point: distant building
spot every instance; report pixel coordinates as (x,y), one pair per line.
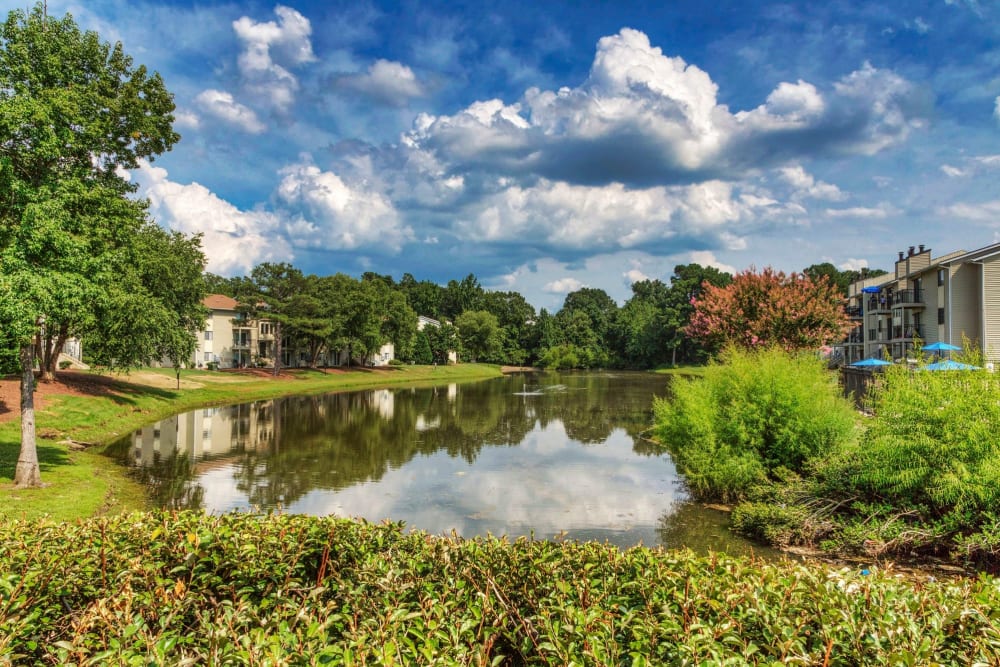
(926,300)
(232,340)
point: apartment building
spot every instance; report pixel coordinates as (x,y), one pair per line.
(231,340)
(927,299)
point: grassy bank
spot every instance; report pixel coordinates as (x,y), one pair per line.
(186,588)
(83,483)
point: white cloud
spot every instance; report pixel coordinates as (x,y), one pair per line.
(385,81)
(634,276)
(329,213)
(996,108)
(604,218)
(807,186)
(953,172)
(186,119)
(563,286)
(852,264)
(707,258)
(266,46)
(988,160)
(882,211)
(221,104)
(988,211)
(233,240)
(643,118)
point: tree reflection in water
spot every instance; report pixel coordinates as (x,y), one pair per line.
(283,452)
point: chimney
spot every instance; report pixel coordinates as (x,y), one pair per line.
(900,255)
(921,247)
(911,251)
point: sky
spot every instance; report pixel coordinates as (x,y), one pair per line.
(551,146)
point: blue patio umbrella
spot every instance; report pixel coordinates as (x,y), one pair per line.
(870,290)
(949,365)
(940,347)
(872,361)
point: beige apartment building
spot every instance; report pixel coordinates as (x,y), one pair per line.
(926,299)
(231,340)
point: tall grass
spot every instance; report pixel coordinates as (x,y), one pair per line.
(750,418)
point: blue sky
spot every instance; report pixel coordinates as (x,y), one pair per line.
(550,146)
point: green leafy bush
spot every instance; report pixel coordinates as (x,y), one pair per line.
(929,461)
(187,588)
(749,416)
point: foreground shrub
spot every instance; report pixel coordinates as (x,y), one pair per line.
(927,472)
(169,588)
(752,415)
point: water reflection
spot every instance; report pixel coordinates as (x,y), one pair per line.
(539,453)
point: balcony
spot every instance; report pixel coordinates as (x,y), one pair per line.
(854,312)
(879,303)
(908,332)
(908,297)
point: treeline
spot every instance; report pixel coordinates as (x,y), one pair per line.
(318,314)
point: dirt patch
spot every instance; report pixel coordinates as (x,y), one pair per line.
(66,383)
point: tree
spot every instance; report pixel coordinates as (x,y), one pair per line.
(74,112)
(422,349)
(599,307)
(272,293)
(687,284)
(424,297)
(479,332)
(770,308)
(459,297)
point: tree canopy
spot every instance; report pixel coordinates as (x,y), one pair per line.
(770,308)
(74,112)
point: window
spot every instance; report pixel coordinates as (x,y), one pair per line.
(940,315)
(208,356)
(265,328)
(208,335)
(940,277)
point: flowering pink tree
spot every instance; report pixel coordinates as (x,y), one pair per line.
(768,308)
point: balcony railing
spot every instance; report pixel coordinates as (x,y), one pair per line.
(908,297)
(853,311)
(907,332)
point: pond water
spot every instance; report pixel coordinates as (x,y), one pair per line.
(543,454)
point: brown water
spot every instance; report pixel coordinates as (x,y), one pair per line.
(548,454)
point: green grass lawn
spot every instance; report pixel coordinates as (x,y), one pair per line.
(681,370)
(83,483)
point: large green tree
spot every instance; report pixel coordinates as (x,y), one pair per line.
(74,112)
(274,293)
(480,334)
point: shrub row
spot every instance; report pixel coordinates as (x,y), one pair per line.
(187,588)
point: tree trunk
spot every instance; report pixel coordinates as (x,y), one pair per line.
(27,474)
(48,349)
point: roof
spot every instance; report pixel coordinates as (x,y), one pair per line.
(977,255)
(220,302)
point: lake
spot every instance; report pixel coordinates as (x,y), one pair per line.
(546,454)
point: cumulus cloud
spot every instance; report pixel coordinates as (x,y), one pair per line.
(386,81)
(221,105)
(233,240)
(807,186)
(269,49)
(561,216)
(329,213)
(996,108)
(563,286)
(707,258)
(643,118)
(852,264)
(953,172)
